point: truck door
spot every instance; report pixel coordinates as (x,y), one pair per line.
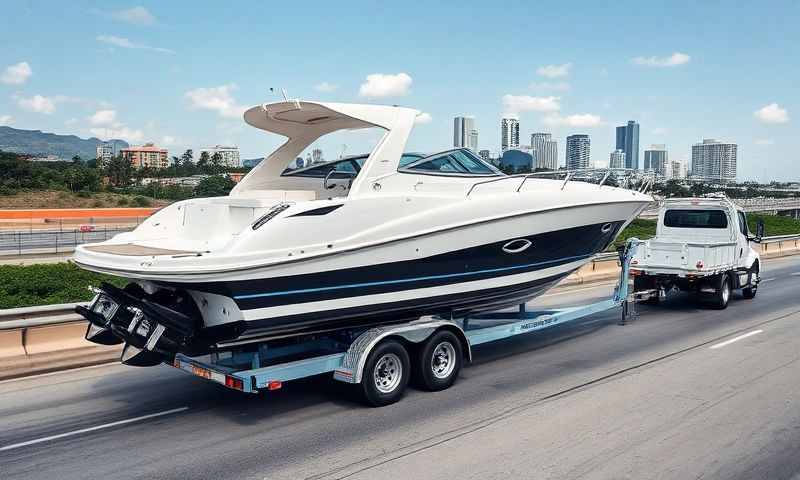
(742,242)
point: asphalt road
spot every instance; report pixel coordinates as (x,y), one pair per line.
(683,392)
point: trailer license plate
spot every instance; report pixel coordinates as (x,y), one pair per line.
(201,372)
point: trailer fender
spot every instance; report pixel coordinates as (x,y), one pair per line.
(352,368)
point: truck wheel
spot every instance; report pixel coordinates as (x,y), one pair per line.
(750,292)
(439,361)
(723,292)
(385,374)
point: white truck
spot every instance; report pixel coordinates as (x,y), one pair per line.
(702,245)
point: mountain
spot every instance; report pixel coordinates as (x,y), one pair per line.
(36,142)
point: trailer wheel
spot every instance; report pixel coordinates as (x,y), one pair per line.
(723,292)
(386,374)
(439,361)
(750,292)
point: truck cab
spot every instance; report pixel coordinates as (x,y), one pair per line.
(702,245)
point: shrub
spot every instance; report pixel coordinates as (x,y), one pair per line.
(122,201)
(141,201)
(45,284)
(84,194)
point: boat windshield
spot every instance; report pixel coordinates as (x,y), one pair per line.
(461,162)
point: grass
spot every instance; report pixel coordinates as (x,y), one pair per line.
(62,199)
(46,284)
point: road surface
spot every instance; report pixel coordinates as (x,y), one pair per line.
(38,241)
(683,392)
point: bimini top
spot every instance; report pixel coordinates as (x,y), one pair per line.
(304,122)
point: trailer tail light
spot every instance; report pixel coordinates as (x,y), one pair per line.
(274,385)
(233,382)
(699,264)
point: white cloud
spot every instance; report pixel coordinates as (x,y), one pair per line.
(16,74)
(673,60)
(169,141)
(6,119)
(125,43)
(660,131)
(135,16)
(580,120)
(423,117)
(119,131)
(325,87)
(772,113)
(527,103)
(553,86)
(761,141)
(218,99)
(38,104)
(554,71)
(385,85)
(71,121)
(103,117)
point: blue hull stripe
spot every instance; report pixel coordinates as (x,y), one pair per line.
(408,280)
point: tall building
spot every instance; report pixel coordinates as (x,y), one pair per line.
(656,159)
(675,170)
(229,156)
(545,151)
(509,130)
(105,152)
(316,156)
(578,152)
(464,133)
(148,155)
(628,142)
(714,161)
(617,159)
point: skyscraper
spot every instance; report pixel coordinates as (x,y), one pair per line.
(545,151)
(464,133)
(628,142)
(509,130)
(676,170)
(656,159)
(714,161)
(578,151)
(617,159)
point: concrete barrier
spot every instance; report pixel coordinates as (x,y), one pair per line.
(11,343)
(54,338)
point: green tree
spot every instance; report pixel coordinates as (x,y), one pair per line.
(214,186)
(119,171)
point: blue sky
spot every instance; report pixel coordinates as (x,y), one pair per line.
(179,73)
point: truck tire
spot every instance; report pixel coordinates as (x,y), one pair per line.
(750,291)
(722,294)
(386,374)
(439,361)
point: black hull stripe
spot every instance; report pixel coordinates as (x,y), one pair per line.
(375,314)
(531,266)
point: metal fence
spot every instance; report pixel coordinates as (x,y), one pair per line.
(46,241)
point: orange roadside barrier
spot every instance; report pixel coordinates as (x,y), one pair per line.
(75,213)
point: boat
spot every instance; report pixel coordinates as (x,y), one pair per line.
(410,236)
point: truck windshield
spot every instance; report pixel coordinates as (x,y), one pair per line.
(695,219)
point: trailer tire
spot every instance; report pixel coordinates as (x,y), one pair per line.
(386,374)
(750,291)
(439,361)
(722,294)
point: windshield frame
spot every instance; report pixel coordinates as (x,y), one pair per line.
(409,169)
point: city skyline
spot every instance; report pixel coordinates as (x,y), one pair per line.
(704,80)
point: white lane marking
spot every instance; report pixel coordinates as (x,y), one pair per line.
(92,429)
(767,279)
(795,274)
(735,339)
